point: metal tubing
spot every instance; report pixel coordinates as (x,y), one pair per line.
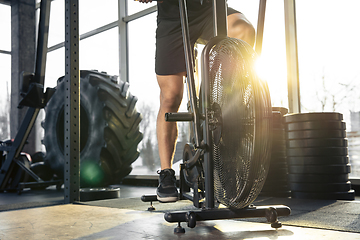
(189,60)
(72,103)
(292,57)
(179,117)
(28,171)
(220,18)
(149,198)
(140,14)
(5,52)
(260,27)
(226,213)
(208,155)
(18,144)
(43,34)
(220,32)
(123,41)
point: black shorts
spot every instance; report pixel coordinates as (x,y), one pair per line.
(169,58)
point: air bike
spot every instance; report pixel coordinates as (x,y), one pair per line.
(226,162)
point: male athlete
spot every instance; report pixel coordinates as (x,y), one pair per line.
(170,71)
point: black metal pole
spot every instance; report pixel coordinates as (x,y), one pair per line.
(226,213)
(207,134)
(72,104)
(260,27)
(42,42)
(18,144)
(189,60)
(220,20)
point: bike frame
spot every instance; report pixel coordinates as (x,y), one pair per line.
(220,32)
(195,114)
(208,210)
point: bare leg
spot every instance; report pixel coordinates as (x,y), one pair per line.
(171,92)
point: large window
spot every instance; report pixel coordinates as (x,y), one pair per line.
(328,42)
(5,69)
(99,52)
(271,65)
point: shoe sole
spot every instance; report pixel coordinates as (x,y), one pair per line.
(166,199)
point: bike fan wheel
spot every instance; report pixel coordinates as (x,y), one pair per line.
(240,124)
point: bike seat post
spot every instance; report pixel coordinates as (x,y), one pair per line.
(220,18)
(189,60)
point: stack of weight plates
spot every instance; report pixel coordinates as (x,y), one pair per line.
(276,184)
(317,156)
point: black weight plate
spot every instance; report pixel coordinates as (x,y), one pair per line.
(282,176)
(280,138)
(319,169)
(278,154)
(278,133)
(278,126)
(330,160)
(277,194)
(278,165)
(278,176)
(279,145)
(319,142)
(276,160)
(277,118)
(276,188)
(281,183)
(277,170)
(320,187)
(276,142)
(304,117)
(317,178)
(277,179)
(92,194)
(312,125)
(316,134)
(350,195)
(282,110)
(278,148)
(317,151)
(277,114)
(276,182)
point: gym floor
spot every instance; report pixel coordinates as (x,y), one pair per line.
(41,214)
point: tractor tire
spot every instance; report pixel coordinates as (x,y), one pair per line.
(109,130)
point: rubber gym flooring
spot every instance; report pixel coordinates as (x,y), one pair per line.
(42,215)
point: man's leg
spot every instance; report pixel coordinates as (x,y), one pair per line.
(241,28)
(171,92)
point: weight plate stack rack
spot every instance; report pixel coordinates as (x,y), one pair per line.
(317,154)
(276,184)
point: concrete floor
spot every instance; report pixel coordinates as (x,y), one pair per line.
(74,221)
(127,218)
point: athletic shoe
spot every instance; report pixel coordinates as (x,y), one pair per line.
(167,191)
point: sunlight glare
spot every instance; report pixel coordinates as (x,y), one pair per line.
(271,69)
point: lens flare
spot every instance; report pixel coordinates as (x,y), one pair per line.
(271,69)
(91,174)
